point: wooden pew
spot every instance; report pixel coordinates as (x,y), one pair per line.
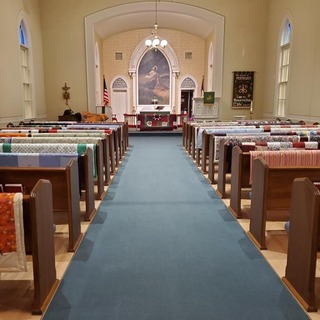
(247,143)
(300,275)
(108,161)
(38,227)
(47,142)
(116,133)
(271,195)
(66,195)
(85,165)
(240,179)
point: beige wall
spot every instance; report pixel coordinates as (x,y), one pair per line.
(11,11)
(64,47)
(304,90)
(250,44)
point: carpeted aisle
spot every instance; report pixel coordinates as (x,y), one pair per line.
(164,247)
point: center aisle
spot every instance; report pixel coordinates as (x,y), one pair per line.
(163,246)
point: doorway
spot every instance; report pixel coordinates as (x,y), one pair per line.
(186,102)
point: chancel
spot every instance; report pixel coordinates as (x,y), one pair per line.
(131,128)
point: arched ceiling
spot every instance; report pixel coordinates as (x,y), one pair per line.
(141,15)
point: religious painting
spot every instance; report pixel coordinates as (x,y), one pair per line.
(154,79)
(242,89)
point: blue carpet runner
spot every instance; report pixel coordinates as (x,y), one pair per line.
(163,246)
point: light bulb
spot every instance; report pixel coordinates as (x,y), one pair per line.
(163,43)
(148,43)
(155,42)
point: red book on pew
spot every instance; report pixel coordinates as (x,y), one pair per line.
(13,187)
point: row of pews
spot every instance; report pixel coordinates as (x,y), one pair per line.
(275,166)
(61,166)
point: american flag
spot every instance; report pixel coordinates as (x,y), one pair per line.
(106,99)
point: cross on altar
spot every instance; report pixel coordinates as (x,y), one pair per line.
(66,94)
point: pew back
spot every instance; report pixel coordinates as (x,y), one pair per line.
(271,195)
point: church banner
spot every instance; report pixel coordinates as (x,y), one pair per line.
(242,89)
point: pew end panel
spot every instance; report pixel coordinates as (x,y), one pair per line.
(203,157)
(89,185)
(65,192)
(222,168)
(112,153)
(258,206)
(212,164)
(271,195)
(240,179)
(37,208)
(106,159)
(100,170)
(300,275)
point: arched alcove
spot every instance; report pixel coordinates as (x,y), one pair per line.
(139,52)
(139,15)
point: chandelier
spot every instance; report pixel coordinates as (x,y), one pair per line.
(155,42)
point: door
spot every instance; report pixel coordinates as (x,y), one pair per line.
(186,102)
(119,104)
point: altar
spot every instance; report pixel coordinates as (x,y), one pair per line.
(156,119)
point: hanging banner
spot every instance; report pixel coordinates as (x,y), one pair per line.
(242,89)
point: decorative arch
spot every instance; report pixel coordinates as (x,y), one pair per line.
(125,11)
(188,83)
(119,83)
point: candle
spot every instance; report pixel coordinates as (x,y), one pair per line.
(251,106)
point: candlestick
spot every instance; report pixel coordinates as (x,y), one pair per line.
(251,106)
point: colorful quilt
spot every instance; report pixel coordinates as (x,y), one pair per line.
(287,158)
(56,160)
(225,131)
(50,148)
(12,247)
(65,133)
(239,140)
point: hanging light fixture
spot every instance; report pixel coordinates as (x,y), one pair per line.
(155,42)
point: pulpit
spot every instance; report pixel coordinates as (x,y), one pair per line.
(205,112)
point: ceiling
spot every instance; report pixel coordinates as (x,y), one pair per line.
(140,15)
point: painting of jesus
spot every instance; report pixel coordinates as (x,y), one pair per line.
(154,79)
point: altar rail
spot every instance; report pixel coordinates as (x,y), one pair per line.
(132,119)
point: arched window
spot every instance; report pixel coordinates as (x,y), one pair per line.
(210,68)
(283,71)
(24,40)
(97,76)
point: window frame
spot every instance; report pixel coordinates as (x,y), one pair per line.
(283,71)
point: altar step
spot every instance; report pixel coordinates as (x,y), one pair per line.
(135,132)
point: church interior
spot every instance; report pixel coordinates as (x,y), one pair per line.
(232,79)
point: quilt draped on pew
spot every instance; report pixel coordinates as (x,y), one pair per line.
(287,158)
(49,148)
(12,247)
(57,160)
